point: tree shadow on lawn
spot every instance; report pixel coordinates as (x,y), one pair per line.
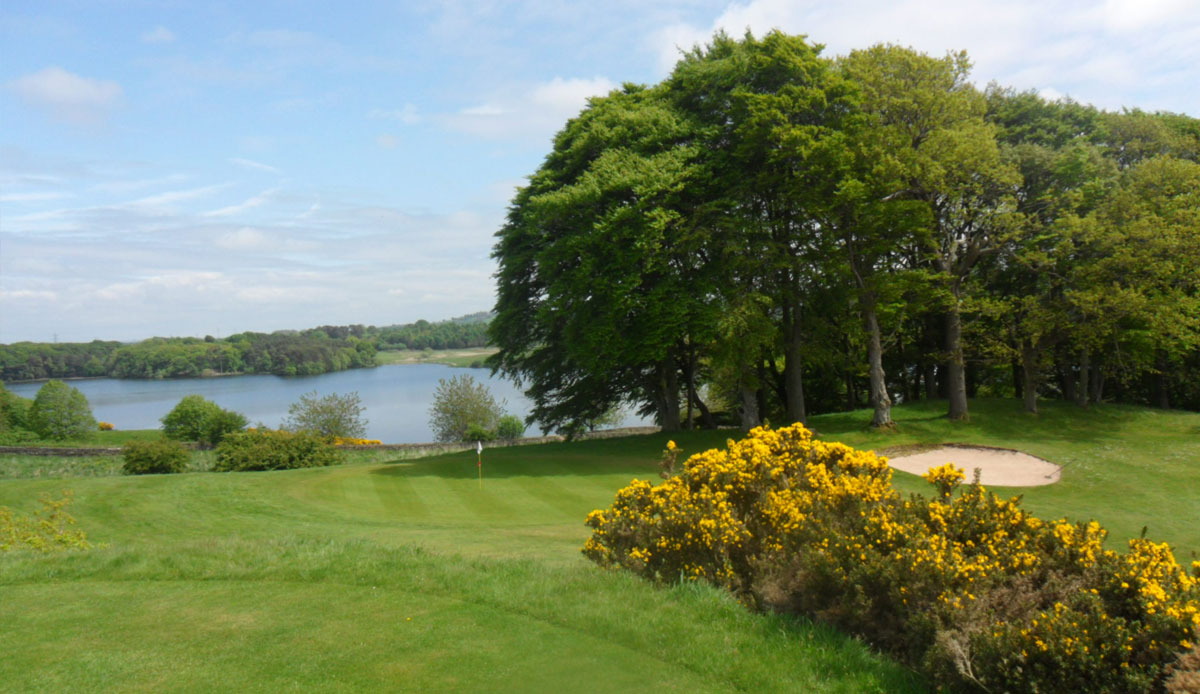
(515,462)
(992,421)
(629,456)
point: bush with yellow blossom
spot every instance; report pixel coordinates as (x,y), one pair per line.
(981,594)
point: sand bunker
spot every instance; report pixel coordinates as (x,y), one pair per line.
(998,467)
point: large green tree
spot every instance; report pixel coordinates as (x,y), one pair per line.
(601,290)
(948,157)
(60,412)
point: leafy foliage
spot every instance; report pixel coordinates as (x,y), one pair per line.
(970,586)
(331,416)
(60,412)
(195,418)
(767,216)
(460,403)
(48,530)
(510,428)
(267,449)
(14,410)
(161,456)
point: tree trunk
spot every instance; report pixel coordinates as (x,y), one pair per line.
(956,382)
(880,400)
(749,408)
(1018,375)
(1162,398)
(706,418)
(972,373)
(670,396)
(1067,380)
(1029,373)
(1097,385)
(690,375)
(793,371)
(931,390)
(1085,378)
(760,397)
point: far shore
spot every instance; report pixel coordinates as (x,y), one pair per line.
(464,358)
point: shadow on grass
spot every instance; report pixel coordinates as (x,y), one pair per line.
(991,420)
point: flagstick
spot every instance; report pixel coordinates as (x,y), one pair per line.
(479,461)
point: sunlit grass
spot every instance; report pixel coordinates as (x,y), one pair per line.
(416,576)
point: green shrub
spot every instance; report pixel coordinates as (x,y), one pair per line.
(978,592)
(17,437)
(332,416)
(201,420)
(14,410)
(268,449)
(460,403)
(60,412)
(510,428)
(48,530)
(478,433)
(161,456)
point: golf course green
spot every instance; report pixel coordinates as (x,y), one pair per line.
(417,576)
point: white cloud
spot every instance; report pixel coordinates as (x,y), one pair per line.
(1102,53)
(483,110)
(169,198)
(159,34)
(67,96)
(137,184)
(407,115)
(570,95)
(535,111)
(387,141)
(248,204)
(1136,15)
(32,197)
(246,238)
(27,295)
(251,164)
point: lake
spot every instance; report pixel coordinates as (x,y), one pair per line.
(397,398)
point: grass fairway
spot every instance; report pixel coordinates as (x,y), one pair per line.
(409,577)
(393,577)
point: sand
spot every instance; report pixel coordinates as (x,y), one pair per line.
(998,467)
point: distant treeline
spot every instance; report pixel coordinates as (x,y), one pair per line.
(285,353)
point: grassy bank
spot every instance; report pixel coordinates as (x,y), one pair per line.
(411,576)
(448,357)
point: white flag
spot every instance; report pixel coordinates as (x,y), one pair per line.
(479,447)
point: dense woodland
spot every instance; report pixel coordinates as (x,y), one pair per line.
(775,233)
(286,353)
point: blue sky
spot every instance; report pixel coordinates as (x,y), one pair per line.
(174,168)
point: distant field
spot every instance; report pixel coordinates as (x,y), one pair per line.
(448,357)
(408,576)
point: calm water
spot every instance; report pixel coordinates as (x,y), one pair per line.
(396,397)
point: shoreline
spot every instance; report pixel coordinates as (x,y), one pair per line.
(440,357)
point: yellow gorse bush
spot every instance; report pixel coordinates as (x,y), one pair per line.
(967,584)
(48,530)
(105,426)
(350,441)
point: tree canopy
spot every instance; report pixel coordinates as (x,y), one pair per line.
(870,224)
